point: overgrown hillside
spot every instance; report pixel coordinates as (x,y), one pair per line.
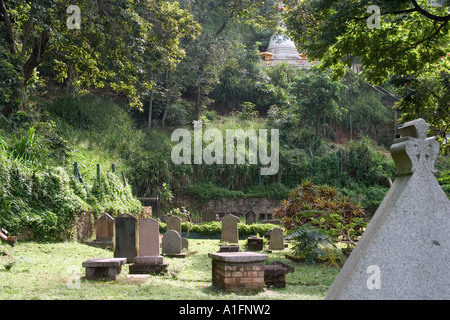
(38,148)
(38,186)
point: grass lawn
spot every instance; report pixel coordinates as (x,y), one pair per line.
(52,271)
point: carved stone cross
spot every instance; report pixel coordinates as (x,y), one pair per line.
(413,151)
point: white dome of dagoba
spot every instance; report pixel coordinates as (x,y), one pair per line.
(282,49)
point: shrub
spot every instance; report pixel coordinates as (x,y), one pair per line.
(215,227)
(314,245)
(324,207)
(248,111)
(365,165)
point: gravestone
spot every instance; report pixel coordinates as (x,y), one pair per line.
(171,242)
(404,251)
(104,232)
(276,239)
(174,223)
(250,217)
(125,246)
(149,259)
(208,215)
(275,276)
(255,243)
(104,228)
(288,268)
(184,244)
(148,237)
(230,229)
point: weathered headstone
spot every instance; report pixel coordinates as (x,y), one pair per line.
(275,276)
(174,223)
(148,237)
(284,265)
(255,243)
(229,248)
(250,217)
(149,259)
(184,244)
(171,242)
(276,239)
(104,230)
(125,246)
(404,251)
(230,229)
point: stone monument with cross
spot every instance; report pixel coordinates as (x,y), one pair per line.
(404,252)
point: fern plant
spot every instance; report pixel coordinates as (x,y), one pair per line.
(314,245)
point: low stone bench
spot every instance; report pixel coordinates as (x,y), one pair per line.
(238,271)
(103,268)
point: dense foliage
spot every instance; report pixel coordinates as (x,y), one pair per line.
(416,33)
(324,207)
(214,228)
(314,245)
(47,198)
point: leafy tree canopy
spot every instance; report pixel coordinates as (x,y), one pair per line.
(404,41)
(117,43)
(412,35)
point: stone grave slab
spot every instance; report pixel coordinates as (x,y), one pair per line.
(255,243)
(174,223)
(149,260)
(230,229)
(125,229)
(276,239)
(104,232)
(275,276)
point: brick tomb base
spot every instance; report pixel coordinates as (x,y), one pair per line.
(238,271)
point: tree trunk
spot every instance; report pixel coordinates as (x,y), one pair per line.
(150,102)
(198,102)
(150,109)
(168,98)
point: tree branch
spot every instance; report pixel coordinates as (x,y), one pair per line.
(222,27)
(429,15)
(26,34)
(435,33)
(416,8)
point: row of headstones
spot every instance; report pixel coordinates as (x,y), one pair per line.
(230,233)
(172,243)
(126,226)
